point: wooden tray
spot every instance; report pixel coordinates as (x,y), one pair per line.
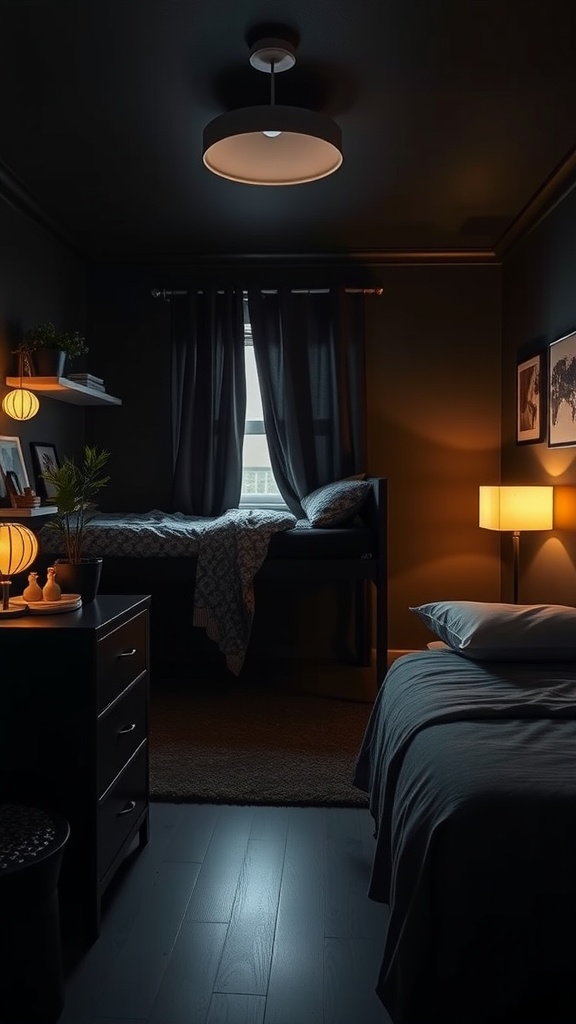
(67,603)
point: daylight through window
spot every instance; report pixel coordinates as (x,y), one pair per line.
(259,487)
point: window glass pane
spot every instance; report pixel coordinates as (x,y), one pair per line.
(258,483)
(253,399)
(257,476)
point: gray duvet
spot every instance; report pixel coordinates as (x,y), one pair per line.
(471,773)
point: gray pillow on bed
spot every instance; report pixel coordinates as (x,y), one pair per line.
(337,503)
(503,632)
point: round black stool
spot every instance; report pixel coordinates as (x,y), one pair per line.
(31,976)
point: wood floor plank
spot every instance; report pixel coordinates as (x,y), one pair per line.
(193,833)
(162,958)
(343,822)
(270,823)
(295,990)
(349,912)
(367,829)
(350,975)
(88,1018)
(123,903)
(133,983)
(236,1009)
(247,954)
(185,993)
(163,816)
(215,890)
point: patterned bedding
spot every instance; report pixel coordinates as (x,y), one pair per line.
(229,549)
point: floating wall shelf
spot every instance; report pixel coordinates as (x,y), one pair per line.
(64,390)
(25,513)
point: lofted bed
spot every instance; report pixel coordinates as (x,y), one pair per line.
(206,573)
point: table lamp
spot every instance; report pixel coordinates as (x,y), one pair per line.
(18,549)
(515,509)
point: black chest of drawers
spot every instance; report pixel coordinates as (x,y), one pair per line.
(74,733)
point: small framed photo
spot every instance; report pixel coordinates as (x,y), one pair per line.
(13,475)
(530,400)
(44,457)
(562,392)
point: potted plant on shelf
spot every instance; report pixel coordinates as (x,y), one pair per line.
(75,486)
(44,350)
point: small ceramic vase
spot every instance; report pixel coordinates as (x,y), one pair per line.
(51,591)
(32,592)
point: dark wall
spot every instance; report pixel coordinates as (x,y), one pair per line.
(131,332)
(40,279)
(433,367)
(539,306)
(433,362)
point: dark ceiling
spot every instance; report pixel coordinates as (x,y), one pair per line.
(454,114)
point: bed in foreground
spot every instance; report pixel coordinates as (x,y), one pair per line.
(470,766)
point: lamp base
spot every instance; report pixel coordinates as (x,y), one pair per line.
(12,612)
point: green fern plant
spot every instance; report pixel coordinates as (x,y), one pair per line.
(76,485)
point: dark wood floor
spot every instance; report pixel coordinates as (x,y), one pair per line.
(238,915)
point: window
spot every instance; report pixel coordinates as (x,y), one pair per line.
(259,488)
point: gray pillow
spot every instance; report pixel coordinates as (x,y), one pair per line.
(337,503)
(488,631)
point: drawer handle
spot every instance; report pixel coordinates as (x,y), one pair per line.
(128,654)
(128,809)
(127,728)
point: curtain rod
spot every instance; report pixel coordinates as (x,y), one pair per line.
(166,294)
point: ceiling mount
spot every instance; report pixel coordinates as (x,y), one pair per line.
(270,144)
(272,55)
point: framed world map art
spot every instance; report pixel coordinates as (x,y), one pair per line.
(562,392)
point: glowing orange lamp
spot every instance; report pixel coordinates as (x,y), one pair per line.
(515,509)
(18,549)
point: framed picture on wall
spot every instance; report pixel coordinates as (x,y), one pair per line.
(13,475)
(44,457)
(562,392)
(530,416)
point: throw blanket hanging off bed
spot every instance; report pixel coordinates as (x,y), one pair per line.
(230,550)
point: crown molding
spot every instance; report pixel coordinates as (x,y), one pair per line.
(556,187)
(362,258)
(415,257)
(21,198)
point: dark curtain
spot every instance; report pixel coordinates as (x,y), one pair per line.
(309,349)
(208,401)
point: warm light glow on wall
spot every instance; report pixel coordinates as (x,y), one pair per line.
(516,508)
(20,404)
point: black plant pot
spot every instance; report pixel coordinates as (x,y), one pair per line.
(48,362)
(83,578)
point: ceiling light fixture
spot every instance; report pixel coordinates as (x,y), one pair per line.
(269,144)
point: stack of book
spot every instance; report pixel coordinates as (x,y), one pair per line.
(26,500)
(88,380)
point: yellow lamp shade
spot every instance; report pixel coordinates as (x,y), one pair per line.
(516,508)
(18,548)
(20,404)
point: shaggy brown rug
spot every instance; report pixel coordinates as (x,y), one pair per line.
(255,746)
